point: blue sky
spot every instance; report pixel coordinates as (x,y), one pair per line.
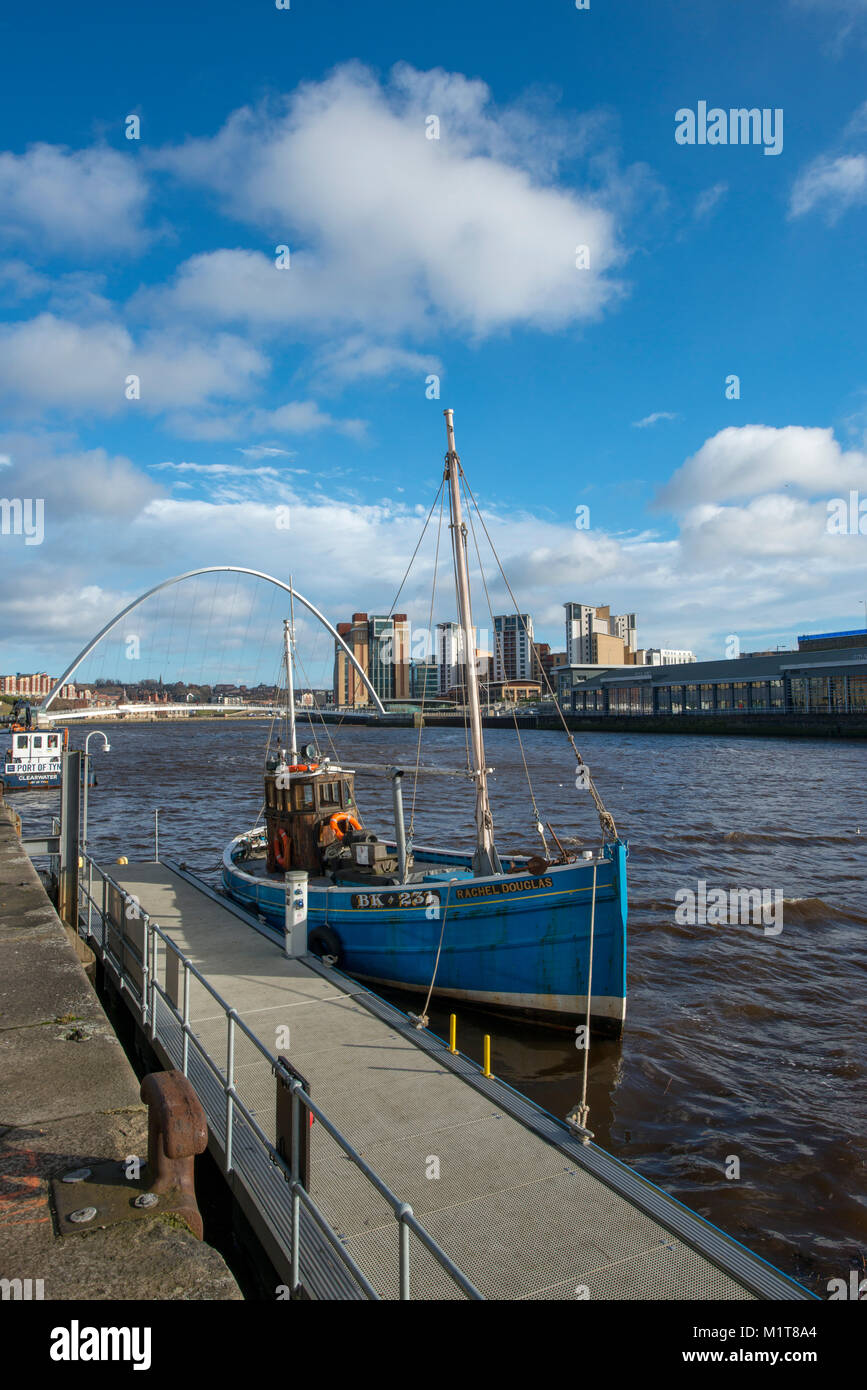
(304,387)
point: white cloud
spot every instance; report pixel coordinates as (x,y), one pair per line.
(77,484)
(262,451)
(303,417)
(751,460)
(708,200)
(73,201)
(389,230)
(835,181)
(19,281)
(654,418)
(745,549)
(835,185)
(49,362)
(357,357)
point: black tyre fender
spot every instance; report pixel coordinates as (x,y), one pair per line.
(324,941)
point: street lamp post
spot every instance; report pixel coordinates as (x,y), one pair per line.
(106,748)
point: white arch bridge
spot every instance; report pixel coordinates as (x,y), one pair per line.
(224,709)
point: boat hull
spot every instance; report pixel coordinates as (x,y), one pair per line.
(16,781)
(516,945)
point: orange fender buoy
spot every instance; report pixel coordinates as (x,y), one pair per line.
(340,820)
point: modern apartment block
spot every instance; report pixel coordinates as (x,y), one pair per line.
(450,656)
(424,680)
(596,637)
(513,647)
(380,645)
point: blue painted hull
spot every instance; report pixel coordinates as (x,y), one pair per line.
(516,945)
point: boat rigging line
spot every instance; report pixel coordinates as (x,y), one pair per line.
(606,820)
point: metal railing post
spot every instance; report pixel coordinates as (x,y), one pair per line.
(230,1086)
(296,1200)
(155,980)
(186,1020)
(145,973)
(404,1210)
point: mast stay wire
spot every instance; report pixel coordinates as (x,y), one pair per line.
(441,496)
(538,825)
(606,820)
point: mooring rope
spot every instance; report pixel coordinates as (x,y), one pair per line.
(583,1109)
(421,1020)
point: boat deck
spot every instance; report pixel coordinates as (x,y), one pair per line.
(423,872)
(522,1207)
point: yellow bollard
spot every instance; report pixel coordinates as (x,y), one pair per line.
(122,860)
(453,1033)
(487,1055)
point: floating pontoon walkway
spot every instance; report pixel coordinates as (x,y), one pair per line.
(520,1206)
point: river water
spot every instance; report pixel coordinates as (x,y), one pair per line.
(740,1044)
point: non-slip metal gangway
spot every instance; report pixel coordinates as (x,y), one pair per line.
(425,1178)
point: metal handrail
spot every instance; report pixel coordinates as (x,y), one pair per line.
(147,960)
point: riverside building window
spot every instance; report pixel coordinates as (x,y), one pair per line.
(837,693)
(818,693)
(857,694)
(741,695)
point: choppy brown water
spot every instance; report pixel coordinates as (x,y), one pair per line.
(737,1043)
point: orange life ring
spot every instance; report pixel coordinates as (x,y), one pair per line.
(302,767)
(281,848)
(343,818)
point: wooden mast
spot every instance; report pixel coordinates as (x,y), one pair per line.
(486,861)
(288,635)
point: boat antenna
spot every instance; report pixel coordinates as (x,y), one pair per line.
(288,639)
(486,861)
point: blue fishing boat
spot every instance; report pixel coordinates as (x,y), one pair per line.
(542,936)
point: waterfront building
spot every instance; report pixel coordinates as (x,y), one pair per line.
(813,680)
(36,685)
(511,692)
(596,636)
(513,647)
(663,656)
(424,680)
(450,656)
(831,641)
(380,645)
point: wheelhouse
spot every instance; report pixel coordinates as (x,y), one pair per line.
(308,807)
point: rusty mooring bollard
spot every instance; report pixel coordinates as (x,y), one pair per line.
(177,1131)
